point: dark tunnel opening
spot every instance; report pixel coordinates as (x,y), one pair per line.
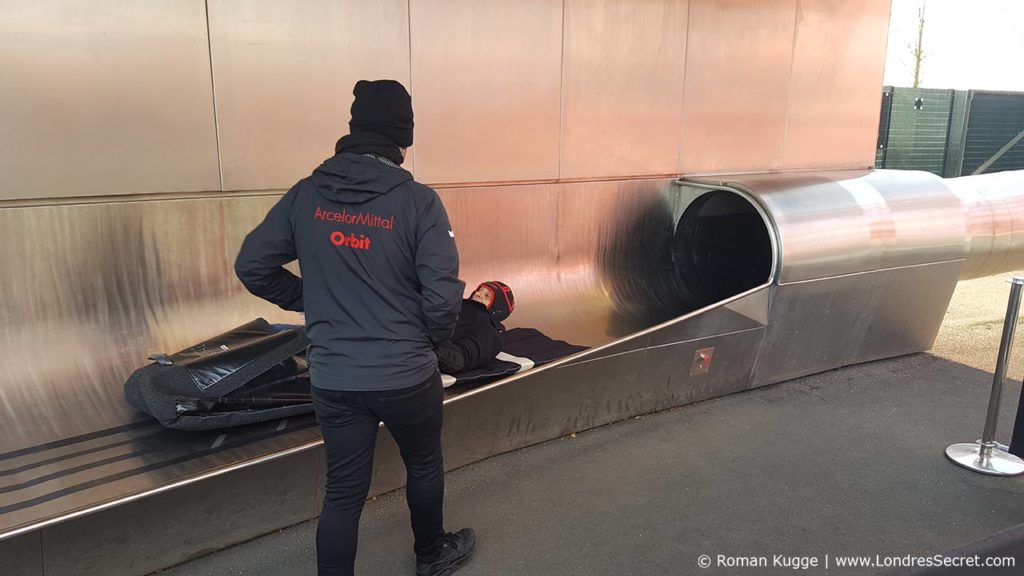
(721,247)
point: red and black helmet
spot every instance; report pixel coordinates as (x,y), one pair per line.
(502,301)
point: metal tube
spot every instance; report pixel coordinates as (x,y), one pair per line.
(986,455)
(1005,345)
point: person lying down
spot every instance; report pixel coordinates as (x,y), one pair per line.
(476,340)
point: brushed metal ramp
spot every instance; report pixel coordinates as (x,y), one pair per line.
(55,481)
(600,274)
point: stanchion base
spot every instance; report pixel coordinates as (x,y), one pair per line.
(998,463)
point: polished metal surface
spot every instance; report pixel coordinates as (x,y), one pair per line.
(870,259)
(123,280)
(906,308)
(284,74)
(22,555)
(127,279)
(736,93)
(594,263)
(835,90)
(986,460)
(622,87)
(843,222)
(109,464)
(867,264)
(162,530)
(99,287)
(836,223)
(105,97)
(820,324)
(485,80)
(994,210)
(575,395)
(93,472)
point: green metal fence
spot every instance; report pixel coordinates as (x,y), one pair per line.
(950,132)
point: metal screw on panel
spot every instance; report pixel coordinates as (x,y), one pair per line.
(702,361)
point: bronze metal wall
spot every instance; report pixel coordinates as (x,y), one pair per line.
(109,98)
(738,63)
(622,87)
(102,98)
(834,83)
(485,80)
(283,73)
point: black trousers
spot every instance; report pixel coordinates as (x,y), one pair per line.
(349,421)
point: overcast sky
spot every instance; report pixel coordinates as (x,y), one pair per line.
(967,43)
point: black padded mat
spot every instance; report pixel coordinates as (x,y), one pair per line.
(521,349)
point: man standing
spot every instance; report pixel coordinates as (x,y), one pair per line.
(379,289)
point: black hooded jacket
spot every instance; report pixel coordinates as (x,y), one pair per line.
(475,342)
(379,284)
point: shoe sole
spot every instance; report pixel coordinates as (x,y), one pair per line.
(457,563)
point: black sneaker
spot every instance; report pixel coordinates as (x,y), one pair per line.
(455,550)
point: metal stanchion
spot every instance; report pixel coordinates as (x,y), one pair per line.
(985,455)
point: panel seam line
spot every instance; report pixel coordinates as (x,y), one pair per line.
(561,95)
(213,91)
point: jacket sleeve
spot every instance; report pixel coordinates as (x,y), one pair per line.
(265,251)
(476,350)
(473,351)
(437,267)
(450,358)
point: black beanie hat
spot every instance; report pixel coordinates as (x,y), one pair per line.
(382,107)
(503,302)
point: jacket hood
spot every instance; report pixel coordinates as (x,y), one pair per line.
(354,178)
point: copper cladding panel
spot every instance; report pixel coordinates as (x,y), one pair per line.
(834,96)
(622,87)
(485,82)
(284,73)
(105,97)
(738,60)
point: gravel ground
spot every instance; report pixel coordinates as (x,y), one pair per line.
(973,325)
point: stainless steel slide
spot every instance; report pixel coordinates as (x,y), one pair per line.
(683,290)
